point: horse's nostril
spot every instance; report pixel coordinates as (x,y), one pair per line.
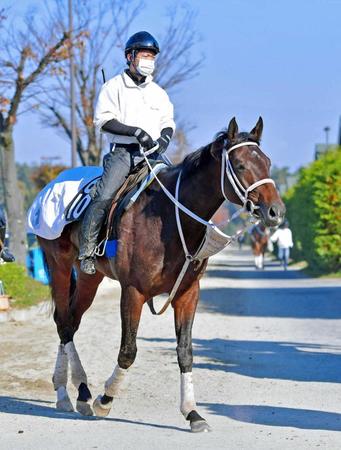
(273,212)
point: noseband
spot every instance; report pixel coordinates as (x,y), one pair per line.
(237,186)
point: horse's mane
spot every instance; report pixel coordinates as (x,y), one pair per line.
(199,157)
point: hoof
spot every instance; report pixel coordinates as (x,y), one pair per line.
(100,409)
(200,426)
(84,408)
(64,405)
(63,401)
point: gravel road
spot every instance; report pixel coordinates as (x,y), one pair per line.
(267,369)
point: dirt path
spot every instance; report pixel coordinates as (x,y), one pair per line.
(267,369)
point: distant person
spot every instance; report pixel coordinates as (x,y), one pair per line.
(5,254)
(241,239)
(283,237)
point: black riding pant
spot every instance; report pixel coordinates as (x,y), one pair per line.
(117,165)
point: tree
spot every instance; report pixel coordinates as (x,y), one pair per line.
(45,173)
(105,27)
(180,146)
(27,51)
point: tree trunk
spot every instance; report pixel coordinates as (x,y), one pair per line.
(13,197)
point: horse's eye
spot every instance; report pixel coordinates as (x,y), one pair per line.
(240,167)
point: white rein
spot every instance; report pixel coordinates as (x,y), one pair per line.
(241,192)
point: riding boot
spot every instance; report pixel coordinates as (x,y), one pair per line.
(116,168)
(6,255)
(90,228)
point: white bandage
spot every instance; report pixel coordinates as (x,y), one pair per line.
(60,371)
(78,374)
(187,401)
(113,383)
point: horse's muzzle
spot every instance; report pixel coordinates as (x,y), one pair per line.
(272,215)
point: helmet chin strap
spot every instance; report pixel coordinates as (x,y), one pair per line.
(241,192)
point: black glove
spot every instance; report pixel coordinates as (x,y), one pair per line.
(163,144)
(144,139)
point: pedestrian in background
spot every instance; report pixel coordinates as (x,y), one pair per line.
(283,237)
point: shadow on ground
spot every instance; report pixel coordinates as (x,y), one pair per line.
(275,416)
(38,408)
(264,359)
(298,303)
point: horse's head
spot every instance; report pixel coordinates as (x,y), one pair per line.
(247,180)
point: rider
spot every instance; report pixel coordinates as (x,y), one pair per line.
(5,254)
(133,111)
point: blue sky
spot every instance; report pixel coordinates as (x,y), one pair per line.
(279,59)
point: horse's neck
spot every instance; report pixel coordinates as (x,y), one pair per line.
(201,192)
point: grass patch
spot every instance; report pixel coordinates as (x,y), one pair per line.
(24,290)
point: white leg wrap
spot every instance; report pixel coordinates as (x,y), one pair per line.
(258,261)
(78,374)
(113,383)
(187,402)
(60,371)
(63,400)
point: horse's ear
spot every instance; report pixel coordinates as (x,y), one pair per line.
(258,129)
(232,129)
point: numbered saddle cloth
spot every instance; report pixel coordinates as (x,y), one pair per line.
(62,201)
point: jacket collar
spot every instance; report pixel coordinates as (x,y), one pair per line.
(129,82)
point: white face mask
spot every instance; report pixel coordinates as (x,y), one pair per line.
(145,66)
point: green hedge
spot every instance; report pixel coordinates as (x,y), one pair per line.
(24,290)
(314,213)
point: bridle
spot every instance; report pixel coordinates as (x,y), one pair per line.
(226,167)
(237,186)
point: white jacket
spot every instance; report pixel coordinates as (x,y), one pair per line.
(146,106)
(283,236)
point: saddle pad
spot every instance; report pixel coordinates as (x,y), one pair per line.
(62,201)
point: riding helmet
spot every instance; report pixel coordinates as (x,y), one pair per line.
(141,41)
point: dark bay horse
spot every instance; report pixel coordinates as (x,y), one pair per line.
(149,258)
(259,236)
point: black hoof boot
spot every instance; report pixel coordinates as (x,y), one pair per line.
(88,265)
(198,423)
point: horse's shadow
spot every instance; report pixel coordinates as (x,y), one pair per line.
(39,408)
(276,416)
(296,361)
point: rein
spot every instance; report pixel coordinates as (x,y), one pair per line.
(214,238)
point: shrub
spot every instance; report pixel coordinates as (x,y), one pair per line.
(314,213)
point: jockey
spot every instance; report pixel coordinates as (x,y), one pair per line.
(5,254)
(133,111)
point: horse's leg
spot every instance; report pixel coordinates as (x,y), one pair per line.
(184,310)
(60,289)
(131,307)
(82,299)
(59,380)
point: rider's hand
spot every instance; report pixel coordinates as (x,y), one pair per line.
(144,139)
(163,144)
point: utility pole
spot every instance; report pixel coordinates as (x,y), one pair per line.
(72,92)
(326,130)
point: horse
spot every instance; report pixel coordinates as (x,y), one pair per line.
(149,259)
(259,236)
